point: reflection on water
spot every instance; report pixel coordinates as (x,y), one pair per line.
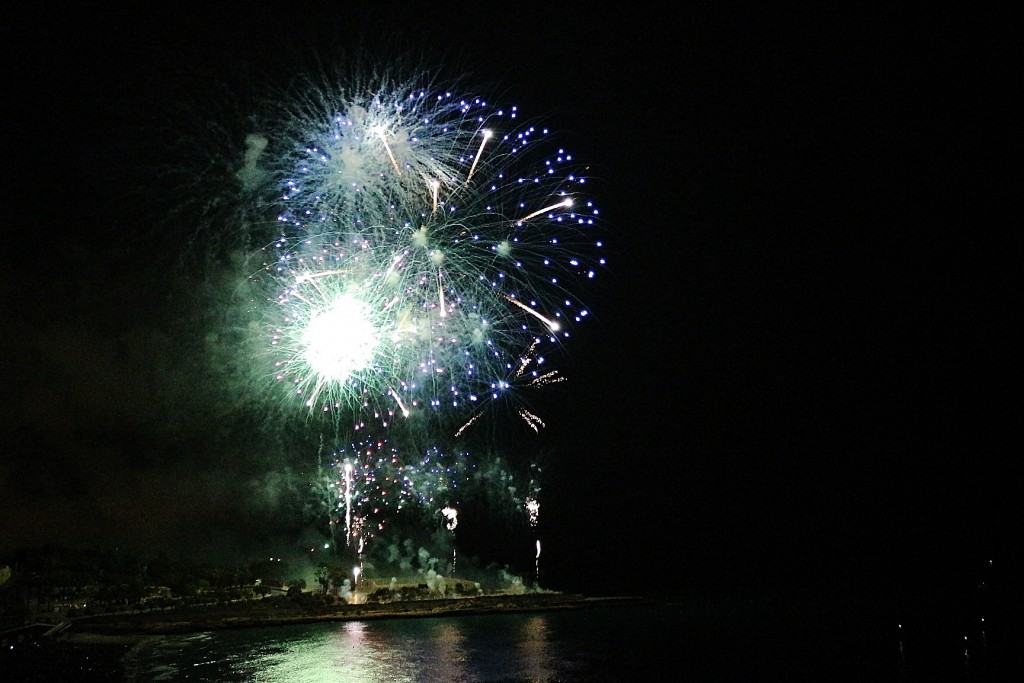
(534,648)
(734,641)
(506,647)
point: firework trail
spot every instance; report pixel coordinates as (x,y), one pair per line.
(451,516)
(373,483)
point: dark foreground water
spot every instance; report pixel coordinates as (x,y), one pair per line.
(744,641)
(795,638)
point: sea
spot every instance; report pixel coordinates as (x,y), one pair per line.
(743,640)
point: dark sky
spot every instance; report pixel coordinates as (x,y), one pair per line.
(805,359)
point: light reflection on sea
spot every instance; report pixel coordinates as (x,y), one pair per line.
(499,647)
(727,641)
(496,647)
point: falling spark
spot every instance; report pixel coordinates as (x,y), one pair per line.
(380,133)
(532,420)
(348,502)
(435,187)
(398,400)
(440,292)
(564,203)
(552,325)
(472,169)
(469,422)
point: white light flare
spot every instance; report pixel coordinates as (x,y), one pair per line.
(340,339)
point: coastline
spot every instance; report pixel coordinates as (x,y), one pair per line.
(98,648)
(128,629)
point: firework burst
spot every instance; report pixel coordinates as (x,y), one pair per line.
(406,251)
(425,244)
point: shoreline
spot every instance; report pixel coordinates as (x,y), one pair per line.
(129,629)
(100,649)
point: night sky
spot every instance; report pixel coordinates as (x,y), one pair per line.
(804,363)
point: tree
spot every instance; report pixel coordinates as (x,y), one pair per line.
(323,577)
